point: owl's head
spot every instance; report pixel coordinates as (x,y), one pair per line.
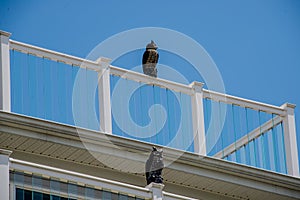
(157,152)
(151,45)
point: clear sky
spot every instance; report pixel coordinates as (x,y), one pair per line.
(254,43)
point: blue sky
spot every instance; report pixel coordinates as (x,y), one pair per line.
(254,43)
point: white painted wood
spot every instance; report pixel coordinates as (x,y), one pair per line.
(104,95)
(4,174)
(208,169)
(138,77)
(290,140)
(156,190)
(76,61)
(135,76)
(54,55)
(229,99)
(104,70)
(79,178)
(248,138)
(198,118)
(170,196)
(5,96)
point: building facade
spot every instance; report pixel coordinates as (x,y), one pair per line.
(48,153)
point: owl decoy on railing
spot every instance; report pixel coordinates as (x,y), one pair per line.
(150,59)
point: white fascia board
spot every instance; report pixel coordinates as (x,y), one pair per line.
(76,177)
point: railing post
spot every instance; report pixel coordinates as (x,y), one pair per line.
(198,118)
(156,190)
(104,95)
(4,174)
(290,140)
(4,72)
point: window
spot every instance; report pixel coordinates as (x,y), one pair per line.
(22,194)
(33,187)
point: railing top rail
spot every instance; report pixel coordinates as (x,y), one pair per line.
(229,99)
(138,77)
(54,55)
(93,65)
(135,76)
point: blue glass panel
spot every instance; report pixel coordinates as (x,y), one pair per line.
(152,114)
(271,151)
(68,82)
(48,89)
(42,88)
(232,157)
(238,155)
(243,155)
(228,130)
(207,114)
(32,85)
(253,119)
(265,147)
(215,135)
(282,168)
(258,152)
(253,156)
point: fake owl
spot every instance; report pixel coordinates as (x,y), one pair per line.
(150,59)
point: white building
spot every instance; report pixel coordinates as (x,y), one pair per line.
(42,158)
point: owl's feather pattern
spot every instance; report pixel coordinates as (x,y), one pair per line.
(150,59)
(154,167)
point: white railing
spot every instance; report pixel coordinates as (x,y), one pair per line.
(249,137)
(195,90)
(246,103)
(53,55)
